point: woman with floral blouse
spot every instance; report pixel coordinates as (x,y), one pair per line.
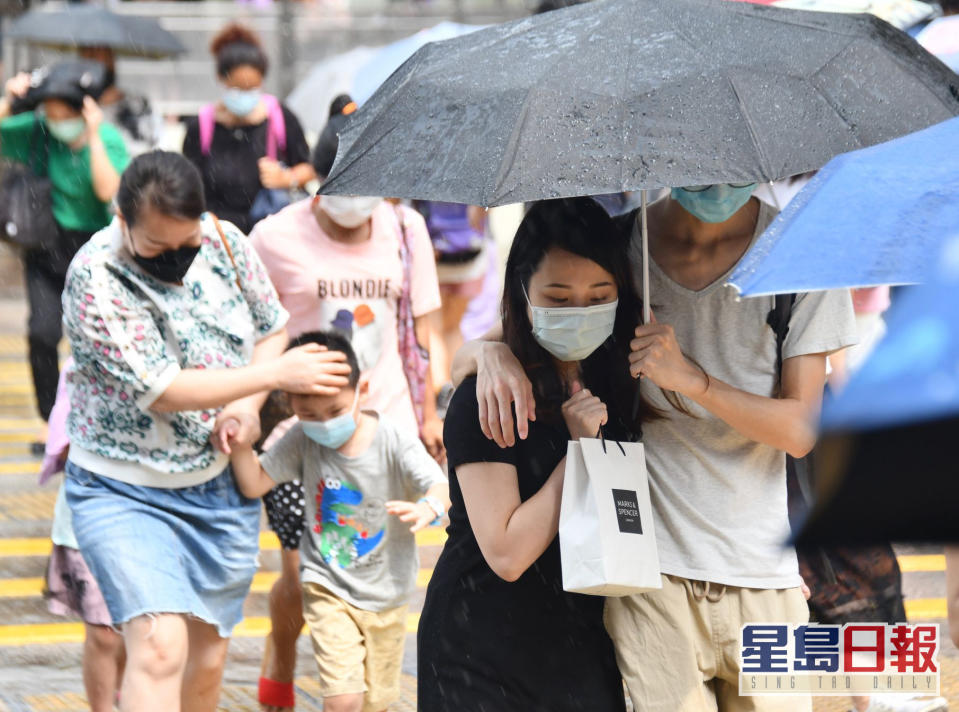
(174,328)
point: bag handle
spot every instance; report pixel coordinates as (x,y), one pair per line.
(406,254)
(229,251)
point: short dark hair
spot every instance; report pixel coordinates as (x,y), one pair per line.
(238,46)
(333,342)
(949,7)
(324,153)
(167,182)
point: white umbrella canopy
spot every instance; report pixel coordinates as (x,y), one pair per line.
(941,37)
(310,101)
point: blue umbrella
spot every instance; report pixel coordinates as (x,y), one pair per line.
(387,60)
(869,217)
(886,465)
(913,375)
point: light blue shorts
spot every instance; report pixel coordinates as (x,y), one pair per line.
(191,550)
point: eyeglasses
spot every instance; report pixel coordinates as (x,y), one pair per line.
(701,188)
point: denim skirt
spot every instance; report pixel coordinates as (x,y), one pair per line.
(191,550)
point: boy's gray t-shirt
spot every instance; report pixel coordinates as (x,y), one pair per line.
(719,498)
(351,546)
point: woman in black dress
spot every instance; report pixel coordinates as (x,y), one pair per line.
(497,632)
(234,160)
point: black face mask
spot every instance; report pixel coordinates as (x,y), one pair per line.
(170,266)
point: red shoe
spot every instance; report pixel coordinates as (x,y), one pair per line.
(275,694)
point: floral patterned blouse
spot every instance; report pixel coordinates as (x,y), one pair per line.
(131,335)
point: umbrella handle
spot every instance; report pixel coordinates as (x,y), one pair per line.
(644,227)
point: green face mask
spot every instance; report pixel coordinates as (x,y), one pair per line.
(67,131)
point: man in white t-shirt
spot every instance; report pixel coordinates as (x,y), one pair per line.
(717,473)
(717,468)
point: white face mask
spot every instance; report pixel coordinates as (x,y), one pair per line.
(349,211)
(573,333)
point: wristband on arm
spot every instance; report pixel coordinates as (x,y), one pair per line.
(437,508)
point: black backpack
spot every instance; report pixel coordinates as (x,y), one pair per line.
(26,199)
(848,584)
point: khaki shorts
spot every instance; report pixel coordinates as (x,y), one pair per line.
(678,648)
(356,651)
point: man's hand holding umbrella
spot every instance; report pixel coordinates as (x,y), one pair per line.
(656,355)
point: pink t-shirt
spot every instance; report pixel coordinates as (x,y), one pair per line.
(352,289)
(870,300)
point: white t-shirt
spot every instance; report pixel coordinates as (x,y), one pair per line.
(719,498)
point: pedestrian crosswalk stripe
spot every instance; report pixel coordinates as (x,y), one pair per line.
(262,583)
(40,546)
(20,467)
(924,609)
(21,587)
(59,633)
(19,424)
(258,626)
(927,562)
(19,437)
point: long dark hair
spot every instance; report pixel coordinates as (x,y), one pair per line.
(582,227)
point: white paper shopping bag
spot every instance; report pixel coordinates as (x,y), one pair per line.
(606,537)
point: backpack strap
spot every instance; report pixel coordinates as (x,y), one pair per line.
(276,127)
(206,119)
(778,320)
(275,131)
(39,160)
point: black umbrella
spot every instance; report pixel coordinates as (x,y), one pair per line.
(88,26)
(620,95)
(898,483)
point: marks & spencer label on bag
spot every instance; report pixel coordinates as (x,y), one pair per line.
(627,511)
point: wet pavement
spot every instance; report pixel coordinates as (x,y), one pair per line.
(40,654)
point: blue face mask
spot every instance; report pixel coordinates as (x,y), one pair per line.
(573,333)
(67,131)
(240,102)
(332,433)
(714,203)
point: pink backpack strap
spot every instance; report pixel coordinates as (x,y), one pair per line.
(276,127)
(207,122)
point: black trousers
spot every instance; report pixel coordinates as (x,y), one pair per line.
(45,273)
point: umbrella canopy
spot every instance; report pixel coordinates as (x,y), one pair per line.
(941,37)
(870,217)
(621,95)
(89,26)
(311,98)
(898,13)
(886,467)
(378,68)
(359,72)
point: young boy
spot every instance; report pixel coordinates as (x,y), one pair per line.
(363,481)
